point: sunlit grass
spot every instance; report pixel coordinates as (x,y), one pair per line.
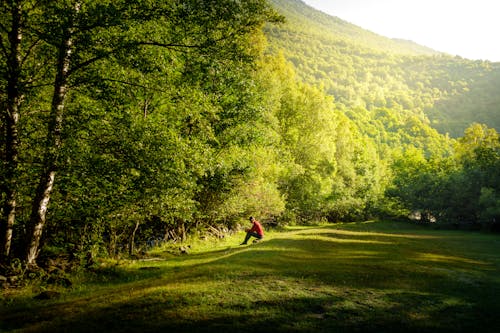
(369,277)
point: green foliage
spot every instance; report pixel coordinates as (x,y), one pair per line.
(461,188)
(182,116)
(331,171)
(159,110)
(399,98)
(362,70)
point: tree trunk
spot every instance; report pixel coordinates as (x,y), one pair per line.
(11,119)
(182,230)
(46,182)
(112,244)
(131,244)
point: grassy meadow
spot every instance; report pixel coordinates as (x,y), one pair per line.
(353,277)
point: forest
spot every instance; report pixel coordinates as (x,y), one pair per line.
(127,122)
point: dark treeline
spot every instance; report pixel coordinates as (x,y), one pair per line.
(127,121)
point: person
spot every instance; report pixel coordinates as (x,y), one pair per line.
(255,231)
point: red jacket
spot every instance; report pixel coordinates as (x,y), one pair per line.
(257,228)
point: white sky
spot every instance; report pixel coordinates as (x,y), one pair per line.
(468,28)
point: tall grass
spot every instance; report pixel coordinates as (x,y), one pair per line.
(363,277)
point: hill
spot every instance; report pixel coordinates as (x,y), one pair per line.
(361,69)
(318,25)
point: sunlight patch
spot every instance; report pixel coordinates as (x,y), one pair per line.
(344,240)
(340,232)
(449,259)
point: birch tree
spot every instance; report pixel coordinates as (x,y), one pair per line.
(10,98)
(74,36)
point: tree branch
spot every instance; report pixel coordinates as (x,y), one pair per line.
(90,61)
(28,52)
(133,84)
(130,45)
(3,49)
(171,45)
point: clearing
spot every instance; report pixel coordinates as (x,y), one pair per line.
(352,277)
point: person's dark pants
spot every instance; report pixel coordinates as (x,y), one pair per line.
(251,234)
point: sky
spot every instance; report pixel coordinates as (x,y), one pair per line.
(468,28)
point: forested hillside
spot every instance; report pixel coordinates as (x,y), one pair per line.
(410,102)
(364,70)
(127,123)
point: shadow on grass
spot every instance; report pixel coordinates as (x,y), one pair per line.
(321,282)
(401,312)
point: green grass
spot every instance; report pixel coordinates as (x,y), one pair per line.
(362,277)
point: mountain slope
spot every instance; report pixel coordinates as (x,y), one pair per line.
(361,69)
(320,25)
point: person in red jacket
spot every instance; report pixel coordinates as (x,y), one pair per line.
(255,231)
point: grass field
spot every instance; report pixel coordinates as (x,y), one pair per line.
(359,277)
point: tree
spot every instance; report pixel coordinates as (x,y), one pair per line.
(461,188)
(11,63)
(74,38)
